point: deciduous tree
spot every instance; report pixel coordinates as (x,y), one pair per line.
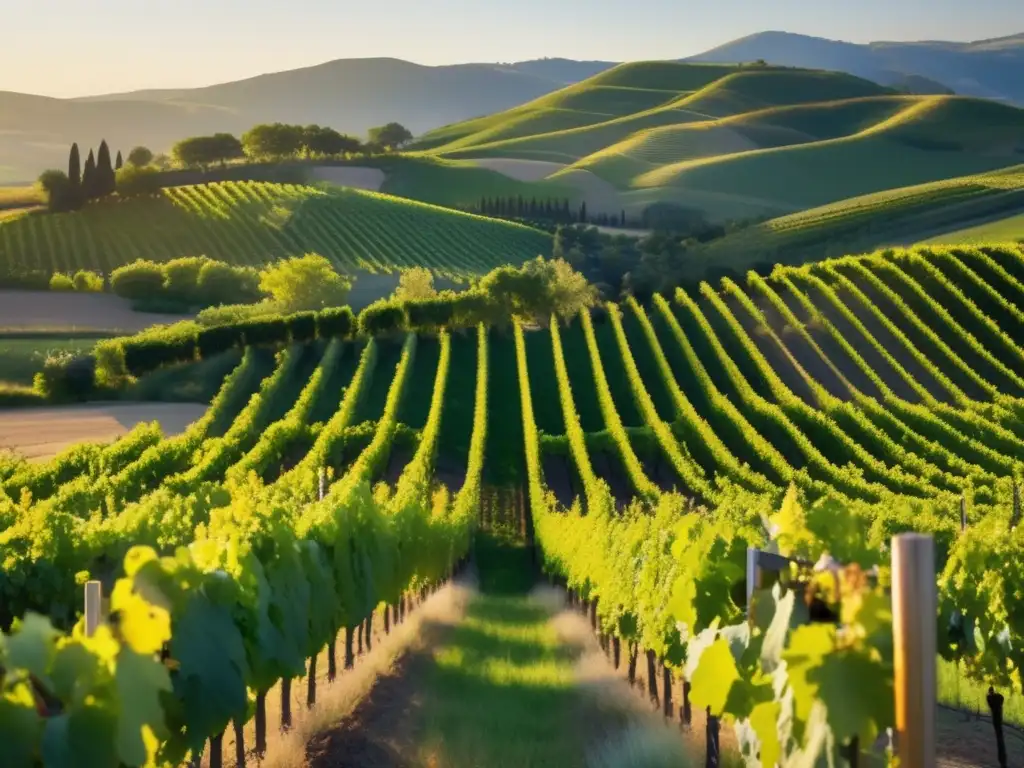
(140,157)
(273,141)
(305,283)
(392,135)
(416,283)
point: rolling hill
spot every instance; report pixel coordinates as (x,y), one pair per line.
(355,94)
(933,212)
(988,69)
(349,94)
(741,141)
(255,222)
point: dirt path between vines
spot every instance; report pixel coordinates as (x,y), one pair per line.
(512,681)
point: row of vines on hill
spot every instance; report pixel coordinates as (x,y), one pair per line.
(252,223)
(221,585)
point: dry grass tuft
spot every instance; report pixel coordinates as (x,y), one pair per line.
(337,700)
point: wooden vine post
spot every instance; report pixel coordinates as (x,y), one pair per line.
(914,607)
(93,607)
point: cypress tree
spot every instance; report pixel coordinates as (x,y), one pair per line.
(547,209)
(119,163)
(104,171)
(483,205)
(533,207)
(89,177)
(75,167)
(520,208)
(623,220)
(583,212)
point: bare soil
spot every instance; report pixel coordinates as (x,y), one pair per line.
(40,433)
(776,356)
(371,179)
(49,310)
(559,478)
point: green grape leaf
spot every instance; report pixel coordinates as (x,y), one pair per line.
(136,558)
(20,726)
(856,690)
(715,674)
(144,625)
(140,679)
(763,719)
(212,668)
(81,738)
(32,647)
(808,647)
(74,672)
(788,613)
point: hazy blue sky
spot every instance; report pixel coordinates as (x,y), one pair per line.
(74,47)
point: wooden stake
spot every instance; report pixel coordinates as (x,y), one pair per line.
(914,609)
(93,602)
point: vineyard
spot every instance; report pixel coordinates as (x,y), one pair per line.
(845,401)
(256,222)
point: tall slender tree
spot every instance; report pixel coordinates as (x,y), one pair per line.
(583,212)
(75,167)
(105,181)
(119,163)
(89,177)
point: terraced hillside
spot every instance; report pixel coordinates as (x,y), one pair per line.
(933,211)
(255,222)
(351,473)
(739,142)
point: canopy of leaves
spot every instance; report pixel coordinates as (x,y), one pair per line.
(140,157)
(392,135)
(202,151)
(416,283)
(539,289)
(305,283)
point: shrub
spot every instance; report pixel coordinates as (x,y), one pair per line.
(181,278)
(60,282)
(301,326)
(470,308)
(139,280)
(430,313)
(138,181)
(66,377)
(213,341)
(264,331)
(382,317)
(236,313)
(56,187)
(220,283)
(110,368)
(305,283)
(335,322)
(25,280)
(142,355)
(88,282)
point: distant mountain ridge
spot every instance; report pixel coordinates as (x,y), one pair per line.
(990,69)
(355,94)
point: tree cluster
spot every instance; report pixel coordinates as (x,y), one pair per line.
(192,281)
(81,183)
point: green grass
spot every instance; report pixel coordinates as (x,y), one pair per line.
(1009,228)
(457,183)
(901,216)
(21,359)
(955,690)
(20,197)
(255,222)
(500,690)
(743,141)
